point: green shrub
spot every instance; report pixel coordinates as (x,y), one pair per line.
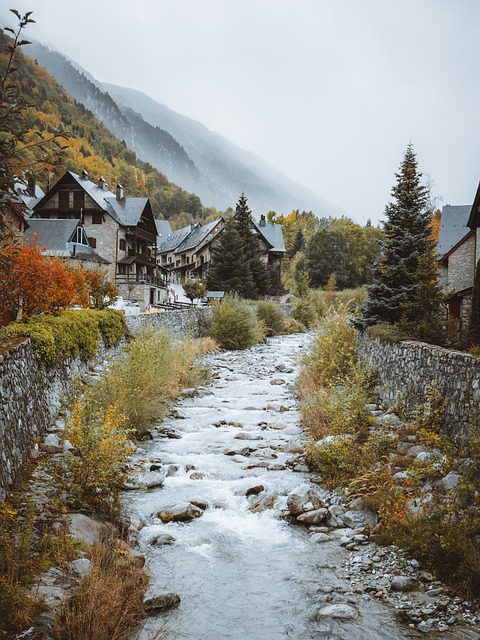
(234,326)
(73,334)
(388,333)
(146,376)
(305,311)
(272,317)
(337,460)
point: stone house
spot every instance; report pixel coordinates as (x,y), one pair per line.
(64,239)
(456,263)
(120,229)
(186,252)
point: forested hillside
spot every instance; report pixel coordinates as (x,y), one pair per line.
(91,146)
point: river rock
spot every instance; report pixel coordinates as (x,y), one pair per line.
(180,513)
(237,451)
(197,475)
(252,491)
(162,602)
(313,517)
(277,381)
(300,496)
(402,583)
(165,431)
(335,515)
(261,504)
(87,530)
(320,537)
(162,539)
(360,519)
(338,611)
(244,435)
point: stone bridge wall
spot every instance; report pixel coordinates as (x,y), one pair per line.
(407,369)
(178,323)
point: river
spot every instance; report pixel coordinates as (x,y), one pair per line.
(244,575)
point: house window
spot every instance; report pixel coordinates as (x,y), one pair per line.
(96,218)
(93,242)
(63,199)
(122,244)
(80,237)
(78,199)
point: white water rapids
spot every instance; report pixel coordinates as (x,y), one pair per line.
(244,575)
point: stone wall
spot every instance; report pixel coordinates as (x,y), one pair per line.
(406,371)
(178,323)
(30,400)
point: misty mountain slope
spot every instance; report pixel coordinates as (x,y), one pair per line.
(238,170)
(188,153)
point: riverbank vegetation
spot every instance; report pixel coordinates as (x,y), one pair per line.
(101,426)
(424,489)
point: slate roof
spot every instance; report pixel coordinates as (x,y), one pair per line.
(27,199)
(273,234)
(163,229)
(197,235)
(173,239)
(453,227)
(56,237)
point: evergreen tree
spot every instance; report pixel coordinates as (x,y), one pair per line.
(406,233)
(236,264)
(422,317)
(228,269)
(298,244)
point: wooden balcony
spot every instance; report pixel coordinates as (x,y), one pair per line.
(141,234)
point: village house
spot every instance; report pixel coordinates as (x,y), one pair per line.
(121,230)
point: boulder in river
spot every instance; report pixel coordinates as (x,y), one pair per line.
(162,602)
(180,513)
(340,611)
(313,517)
(300,496)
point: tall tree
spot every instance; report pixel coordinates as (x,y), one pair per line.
(237,261)
(406,233)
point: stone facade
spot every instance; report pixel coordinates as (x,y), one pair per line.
(406,371)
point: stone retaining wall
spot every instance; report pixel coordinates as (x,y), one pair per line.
(407,369)
(178,323)
(30,398)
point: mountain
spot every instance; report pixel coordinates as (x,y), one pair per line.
(184,150)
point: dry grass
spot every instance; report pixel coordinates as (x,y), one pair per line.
(109,600)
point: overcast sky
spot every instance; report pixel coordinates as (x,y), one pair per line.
(328,91)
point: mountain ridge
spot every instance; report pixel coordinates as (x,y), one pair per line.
(186,151)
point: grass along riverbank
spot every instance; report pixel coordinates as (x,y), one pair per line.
(83,468)
(425,490)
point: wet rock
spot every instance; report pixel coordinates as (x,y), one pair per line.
(278,426)
(162,539)
(197,475)
(320,537)
(261,504)
(180,513)
(237,451)
(337,611)
(313,517)
(172,470)
(403,583)
(335,515)
(201,504)
(244,435)
(162,602)
(178,414)
(300,496)
(168,432)
(254,490)
(277,381)
(277,467)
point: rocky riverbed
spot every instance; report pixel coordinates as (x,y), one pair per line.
(231,522)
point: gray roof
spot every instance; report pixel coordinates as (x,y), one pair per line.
(55,236)
(126,211)
(163,229)
(273,234)
(197,235)
(173,239)
(453,227)
(29,200)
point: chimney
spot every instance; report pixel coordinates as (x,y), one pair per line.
(119,192)
(85,174)
(263,222)
(31,184)
(102,184)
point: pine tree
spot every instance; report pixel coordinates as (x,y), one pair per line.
(237,265)
(422,315)
(406,233)
(228,269)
